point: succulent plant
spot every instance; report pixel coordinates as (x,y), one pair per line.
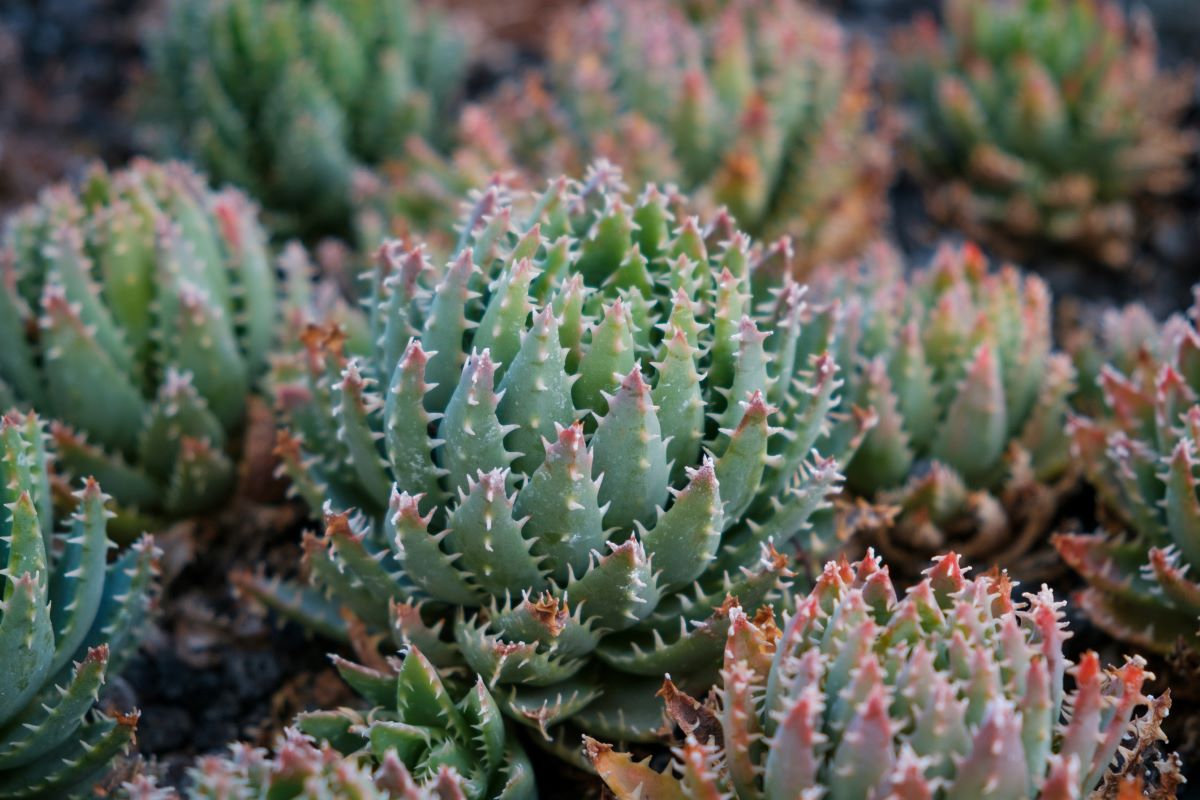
(431,725)
(286,98)
(762,106)
(954,691)
(1139,453)
(69,619)
(423,738)
(1042,124)
(137,312)
(956,362)
(571,444)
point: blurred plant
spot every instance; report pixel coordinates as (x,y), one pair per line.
(287,97)
(423,740)
(956,361)
(69,619)
(952,692)
(575,442)
(1040,123)
(1140,454)
(138,312)
(761,106)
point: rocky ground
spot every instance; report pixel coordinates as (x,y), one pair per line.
(213,668)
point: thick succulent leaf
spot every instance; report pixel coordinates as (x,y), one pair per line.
(26,633)
(67,267)
(489,541)
(424,560)
(679,398)
(422,699)
(24,469)
(406,427)
(536,392)
(355,404)
(17,367)
(126,604)
(50,720)
(618,589)
(740,468)
(471,434)
(78,580)
(86,388)
(445,327)
(255,291)
(629,452)
(196,335)
(1181,502)
(61,771)
(628,778)
(684,539)
(560,504)
(609,355)
(504,319)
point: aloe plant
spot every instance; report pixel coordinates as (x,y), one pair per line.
(69,619)
(568,446)
(424,738)
(1044,125)
(138,311)
(761,106)
(288,98)
(952,691)
(1139,452)
(956,361)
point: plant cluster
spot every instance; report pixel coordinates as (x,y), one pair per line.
(596,433)
(571,445)
(137,312)
(956,362)
(287,98)
(761,106)
(953,691)
(1041,124)
(424,739)
(68,620)
(1139,452)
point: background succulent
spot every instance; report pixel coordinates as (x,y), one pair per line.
(956,361)
(69,619)
(577,439)
(1043,124)
(953,691)
(137,311)
(423,738)
(1139,453)
(286,98)
(762,106)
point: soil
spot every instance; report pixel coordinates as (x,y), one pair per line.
(214,669)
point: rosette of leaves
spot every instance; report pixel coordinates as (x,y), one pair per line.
(286,98)
(69,619)
(569,447)
(137,312)
(956,362)
(1042,124)
(423,739)
(954,691)
(1139,452)
(761,106)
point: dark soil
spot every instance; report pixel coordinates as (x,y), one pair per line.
(213,669)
